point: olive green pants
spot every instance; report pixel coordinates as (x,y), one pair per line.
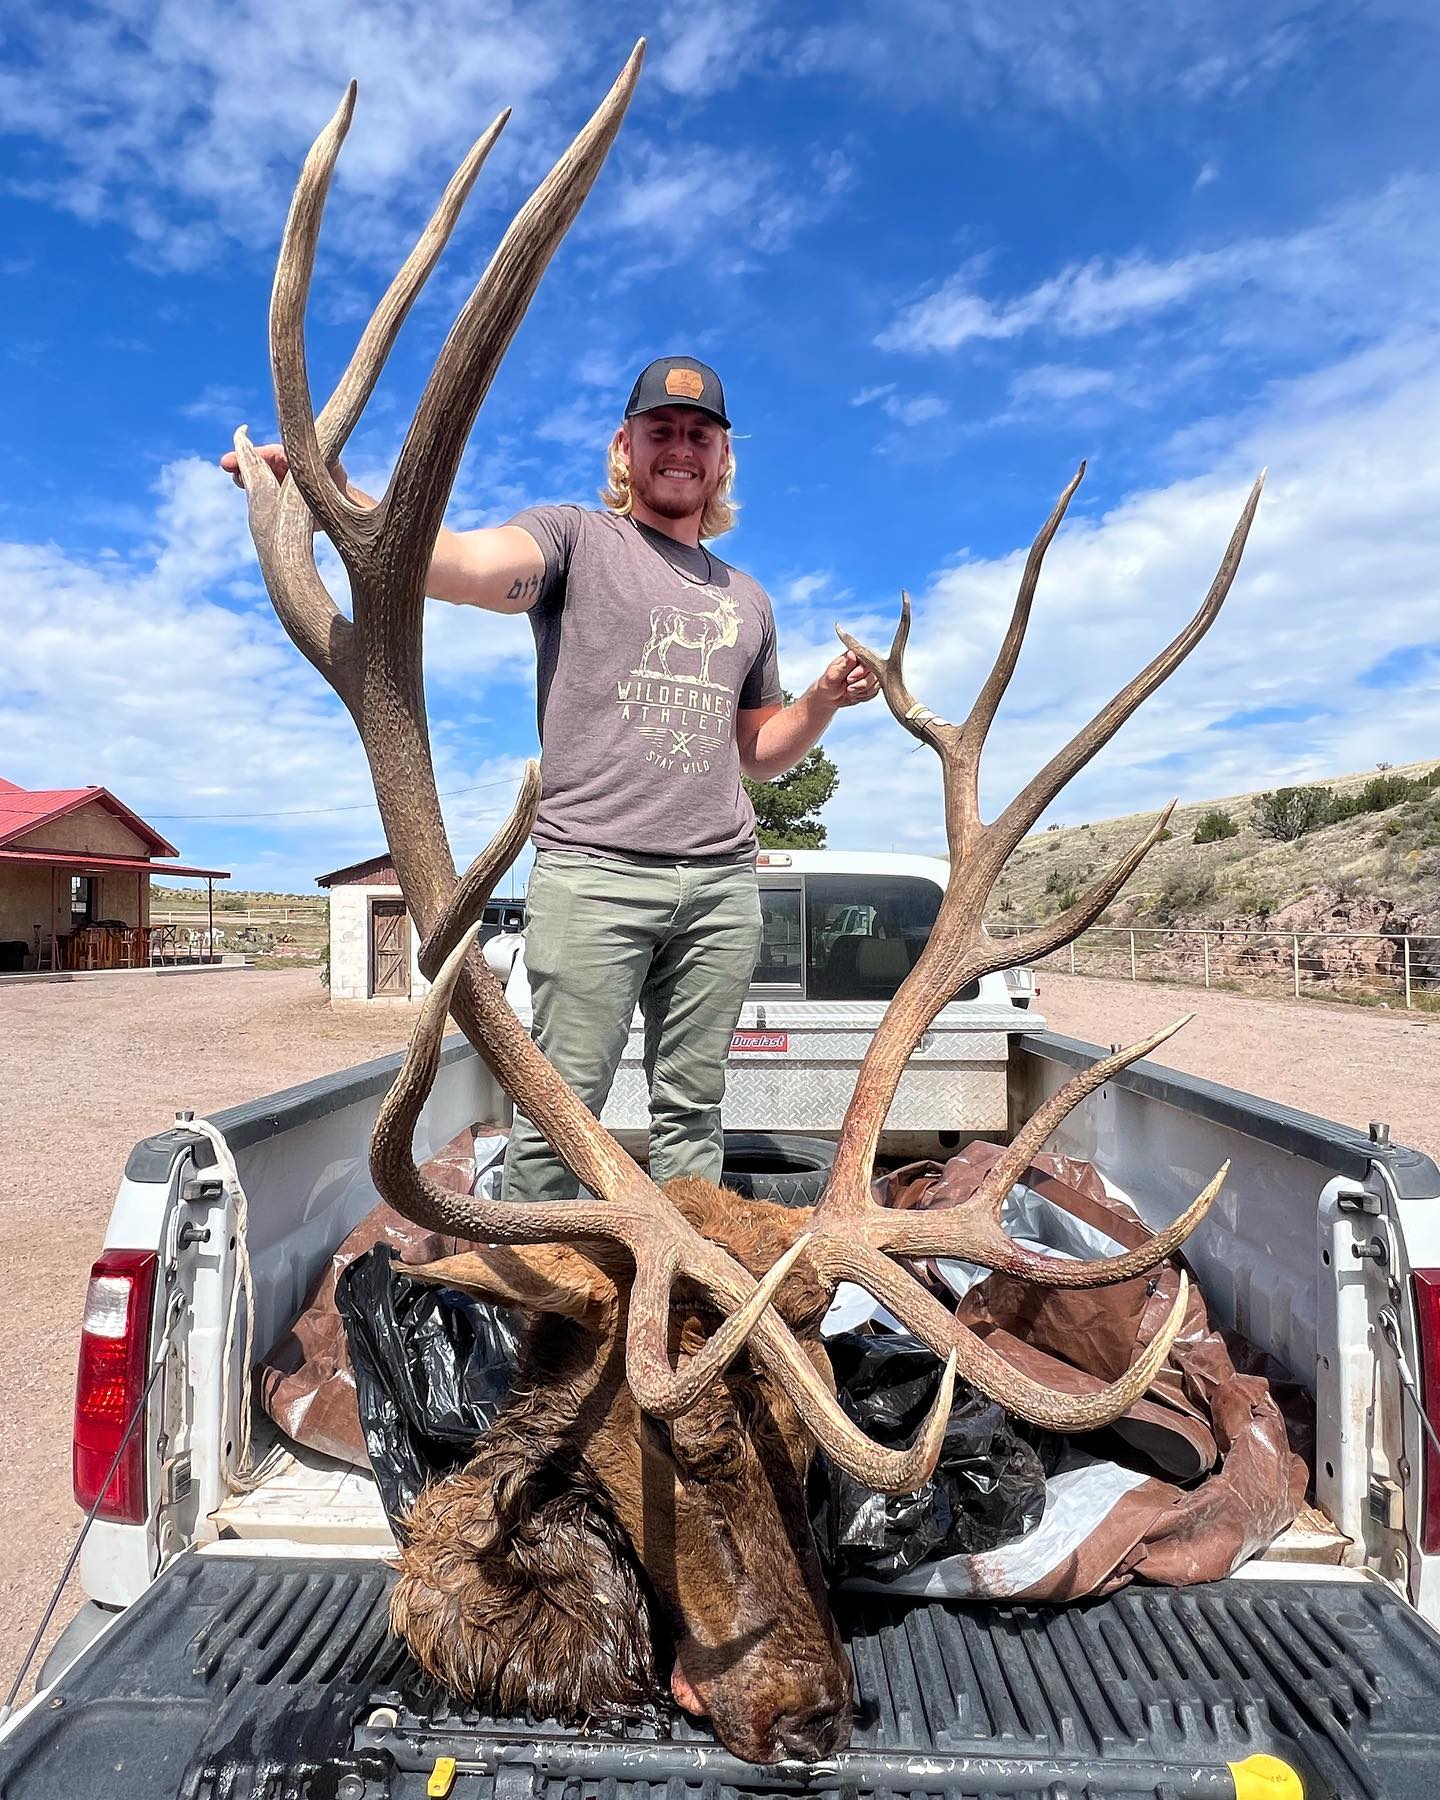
(604,936)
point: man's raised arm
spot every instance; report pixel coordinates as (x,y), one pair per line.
(500,569)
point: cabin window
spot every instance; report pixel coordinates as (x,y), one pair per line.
(864,932)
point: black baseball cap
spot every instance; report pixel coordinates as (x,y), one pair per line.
(678,381)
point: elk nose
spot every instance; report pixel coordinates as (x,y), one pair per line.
(818,1732)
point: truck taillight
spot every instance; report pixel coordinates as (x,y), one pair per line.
(1427,1312)
(114,1364)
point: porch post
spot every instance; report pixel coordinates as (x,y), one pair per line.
(210,907)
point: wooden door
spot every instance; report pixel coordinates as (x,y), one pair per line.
(389,950)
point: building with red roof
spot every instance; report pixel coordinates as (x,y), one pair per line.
(75,869)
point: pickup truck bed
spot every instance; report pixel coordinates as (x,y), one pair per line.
(240,1676)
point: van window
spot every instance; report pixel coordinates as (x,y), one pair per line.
(864,933)
(782,960)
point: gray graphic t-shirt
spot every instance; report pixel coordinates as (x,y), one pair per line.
(646,649)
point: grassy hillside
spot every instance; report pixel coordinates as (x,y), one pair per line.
(1391,855)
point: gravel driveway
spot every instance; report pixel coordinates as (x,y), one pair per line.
(1348,1063)
(88,1067)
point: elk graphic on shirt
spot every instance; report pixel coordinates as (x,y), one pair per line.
(677,628)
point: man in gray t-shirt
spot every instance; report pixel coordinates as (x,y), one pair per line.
(657,690)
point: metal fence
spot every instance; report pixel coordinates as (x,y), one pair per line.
(1400,968)
(265,915)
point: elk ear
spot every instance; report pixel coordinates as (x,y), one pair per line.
(536,1278)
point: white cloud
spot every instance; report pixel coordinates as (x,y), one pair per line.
(131,674)
(734,204)
(905,409)
(800,589)
(919,411)
(1339,574)
(188,125)
(1078,61)
(1315,279)
(701,52)
(583,424)
(1060,381)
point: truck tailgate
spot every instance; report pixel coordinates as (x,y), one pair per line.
(237,1676)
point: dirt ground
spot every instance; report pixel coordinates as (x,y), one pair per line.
(1348,1063)
(86,1068)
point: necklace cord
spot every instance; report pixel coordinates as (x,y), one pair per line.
(692,580)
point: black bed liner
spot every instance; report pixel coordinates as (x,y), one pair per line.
(236,1677)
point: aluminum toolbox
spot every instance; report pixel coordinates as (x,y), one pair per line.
(793,1066)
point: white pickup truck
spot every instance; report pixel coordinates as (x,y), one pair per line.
(234,1641)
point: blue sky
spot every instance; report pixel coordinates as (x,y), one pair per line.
(938,253)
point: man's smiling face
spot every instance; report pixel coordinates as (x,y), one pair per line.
(678,457)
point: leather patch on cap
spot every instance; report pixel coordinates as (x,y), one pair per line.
(686,383)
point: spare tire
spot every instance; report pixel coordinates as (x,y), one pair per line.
(786,1168)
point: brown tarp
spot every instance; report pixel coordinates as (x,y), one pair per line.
(1234,1428)
(306,1383)
(1223,1437)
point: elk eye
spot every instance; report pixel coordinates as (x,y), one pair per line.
(708,1455)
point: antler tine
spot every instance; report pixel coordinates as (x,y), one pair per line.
(262,492)
(474,888)
(295,413)
(1041,940)
(660,1390)
(354,388)
(415,499)
(882,1469)
(889,672)
(283,530)
(1105,1271)
(1050,1114)
(972,1230)
(987,702)
(836,1258)
(1027,806)
(661,1243)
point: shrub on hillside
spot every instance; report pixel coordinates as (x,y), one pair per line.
(1290,812)
(1215,825)
(1182,891)
(1382,792)
(1254,903)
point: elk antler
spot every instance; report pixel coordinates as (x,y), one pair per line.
(852,1238)
(373,661)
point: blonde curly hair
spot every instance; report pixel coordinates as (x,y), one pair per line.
(720,511)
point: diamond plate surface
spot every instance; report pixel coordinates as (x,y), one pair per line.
(809,1088)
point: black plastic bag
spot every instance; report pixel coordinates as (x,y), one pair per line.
(988,1488)
(433,1367)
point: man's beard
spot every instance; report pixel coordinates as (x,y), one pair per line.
(645,490)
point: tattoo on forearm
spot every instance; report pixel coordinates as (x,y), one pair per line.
(524,589)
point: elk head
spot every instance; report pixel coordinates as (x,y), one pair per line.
(673,1371)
